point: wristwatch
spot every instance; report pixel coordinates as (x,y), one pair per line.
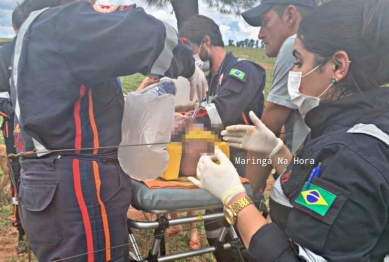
(231,211)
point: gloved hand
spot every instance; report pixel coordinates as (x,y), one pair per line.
(218,179)
(198,83)
(256,138)
(180,122)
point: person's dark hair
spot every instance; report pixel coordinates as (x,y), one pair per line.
(197,27)
(302,10)
(358,27)
(17,17)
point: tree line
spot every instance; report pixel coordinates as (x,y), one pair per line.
(251,43)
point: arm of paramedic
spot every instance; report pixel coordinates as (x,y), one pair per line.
(274,117)
(6,109)
(127,42)
(234,96)
(251,223)
(277,110)
(363,202)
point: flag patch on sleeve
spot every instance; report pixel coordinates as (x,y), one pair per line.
(237,74)
(316,199)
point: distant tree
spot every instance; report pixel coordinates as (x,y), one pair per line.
(231,42)
(185,9)
(252,41)
(246,42)
(256,43)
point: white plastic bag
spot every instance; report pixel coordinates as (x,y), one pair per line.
(147,119)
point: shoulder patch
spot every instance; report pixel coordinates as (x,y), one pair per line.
(316,199)
(237,74)
(105,9)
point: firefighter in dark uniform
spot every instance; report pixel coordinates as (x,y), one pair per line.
(235,85)
(7,112)
(332,202)
(73,192)
(235,88)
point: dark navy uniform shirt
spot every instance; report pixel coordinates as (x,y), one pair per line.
(6,50)
(344,214)
(233,92)
(6,109)
(67,93)
(237,88)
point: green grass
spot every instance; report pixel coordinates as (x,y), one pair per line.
(130,83)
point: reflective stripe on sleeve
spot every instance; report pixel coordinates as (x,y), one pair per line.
(164,60)
(370,130)
(17,52)
(4,95)
(214,116)
(309,256)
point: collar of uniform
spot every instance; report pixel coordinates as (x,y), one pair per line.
(223,65)
(347,111)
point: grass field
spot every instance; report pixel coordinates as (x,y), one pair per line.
(130,83)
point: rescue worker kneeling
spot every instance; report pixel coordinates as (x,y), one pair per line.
(331,202)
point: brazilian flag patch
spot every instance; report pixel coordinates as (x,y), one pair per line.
(316,199)
(237,74)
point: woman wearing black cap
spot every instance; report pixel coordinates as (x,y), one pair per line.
(331,202)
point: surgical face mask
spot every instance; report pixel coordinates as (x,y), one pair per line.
(204,66)
(209,58)
(303,102)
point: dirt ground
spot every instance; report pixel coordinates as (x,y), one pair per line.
(8,236)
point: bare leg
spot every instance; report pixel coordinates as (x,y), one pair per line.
(174,230)
(194,240)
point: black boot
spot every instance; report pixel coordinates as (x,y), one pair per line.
(22,244)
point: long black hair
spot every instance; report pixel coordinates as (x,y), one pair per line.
(358,27)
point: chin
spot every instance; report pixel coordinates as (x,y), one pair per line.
(270,52)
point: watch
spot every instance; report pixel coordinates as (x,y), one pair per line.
(231,211)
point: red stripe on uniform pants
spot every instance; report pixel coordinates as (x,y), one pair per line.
(77,120)
(245,119)
(84,210)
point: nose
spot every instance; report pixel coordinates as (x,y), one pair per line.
(261,34)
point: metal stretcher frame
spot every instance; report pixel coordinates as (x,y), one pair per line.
(158,249)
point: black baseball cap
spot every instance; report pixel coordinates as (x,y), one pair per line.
(252,16)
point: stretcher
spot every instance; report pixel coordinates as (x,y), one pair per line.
(164,201)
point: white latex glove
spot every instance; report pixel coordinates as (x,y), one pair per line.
(218,179)
(198,83)
(256,138)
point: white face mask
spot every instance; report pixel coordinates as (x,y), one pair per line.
(303,102)
(204,66)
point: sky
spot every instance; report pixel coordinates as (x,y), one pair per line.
(231,26)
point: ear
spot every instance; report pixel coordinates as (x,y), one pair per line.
(207,41)
(291,15)
(15,28)
(341,65)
